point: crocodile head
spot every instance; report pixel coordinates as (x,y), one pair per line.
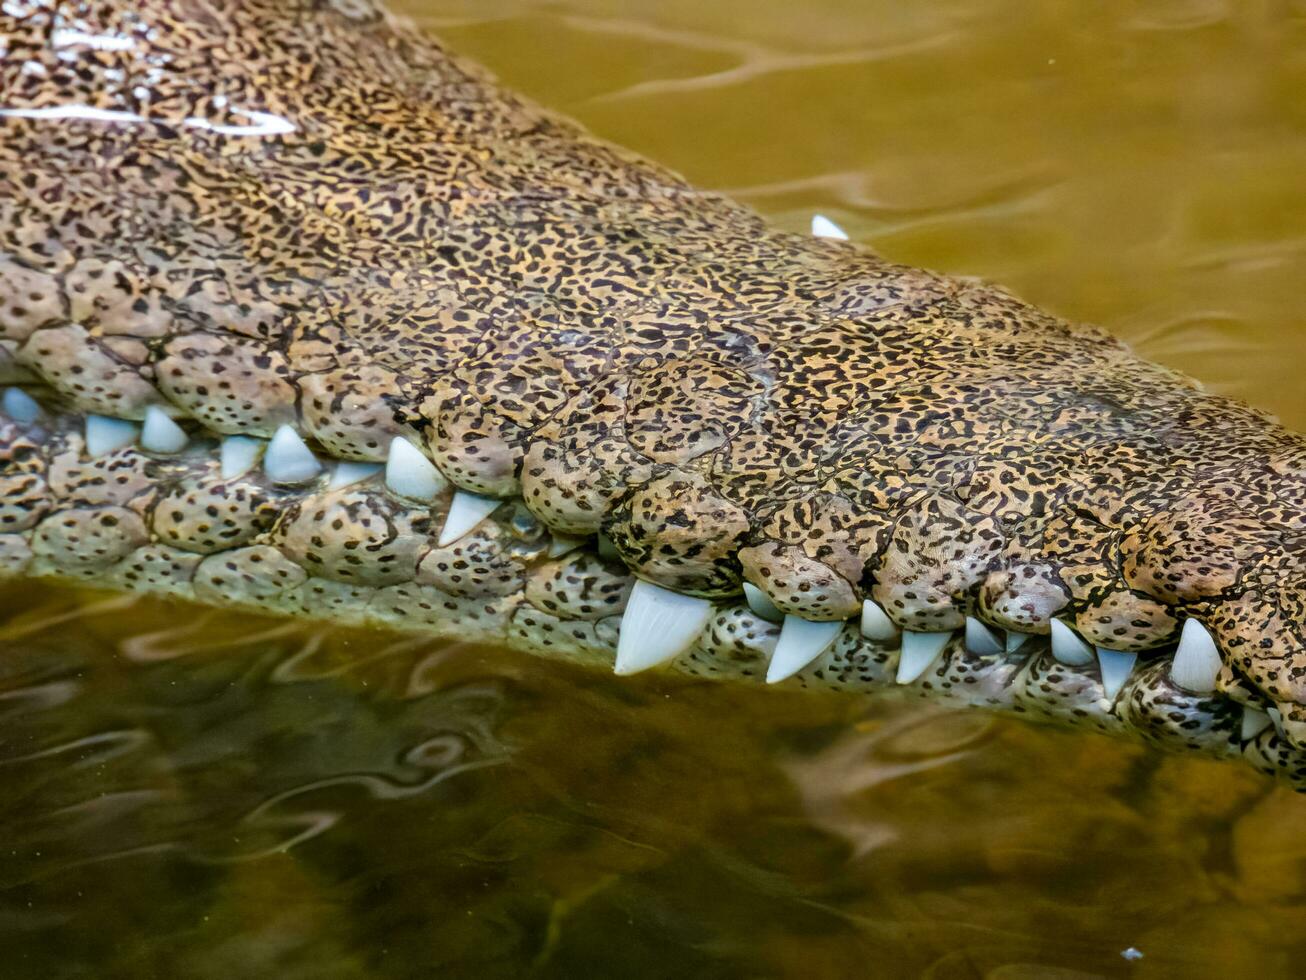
(617,418)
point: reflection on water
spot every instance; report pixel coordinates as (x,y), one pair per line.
(188,794)
(185,793)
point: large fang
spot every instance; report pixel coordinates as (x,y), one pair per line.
(1115,668)
(659,625)
(801,641)
(410,474)
(761,603)
(20,406)
(1276,718)
(348,472)
(1197,661)
(1016,640)
(238,455)
(823,227)
(876,624)
(104,434)
(980,639)
(919,651)
(1068,647)
(1255,721)
(288,459)
(465,512)
(161,434)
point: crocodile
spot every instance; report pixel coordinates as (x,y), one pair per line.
(302,313)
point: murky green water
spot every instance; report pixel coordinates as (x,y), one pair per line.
(190,794)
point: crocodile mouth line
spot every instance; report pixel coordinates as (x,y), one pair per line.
(278,526)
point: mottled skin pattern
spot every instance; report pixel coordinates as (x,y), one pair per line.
(295,212)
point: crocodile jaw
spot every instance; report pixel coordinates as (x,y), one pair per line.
(293,532)
(358,243)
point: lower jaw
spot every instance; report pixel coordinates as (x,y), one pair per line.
(736,646)
(736,642)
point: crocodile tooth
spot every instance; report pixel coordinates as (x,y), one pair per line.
(563,544)
(1016,640)
(410,474)
(288,459)
(1255,721)
(105,434)
(980,639)
(161,434)
(348,472)
(1197,661)
(1115,667)
(658,625)
(1068,647)
(823,227)
(239,454)
(919,651)
(801,641)
(20,406)
(465,512)
(761,603)
(1276,718)
(876,624)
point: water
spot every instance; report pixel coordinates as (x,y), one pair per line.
(187,794)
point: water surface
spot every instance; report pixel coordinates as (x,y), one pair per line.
(185,793)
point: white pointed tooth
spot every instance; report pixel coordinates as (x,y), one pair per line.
(761,603)
(1276,719)
(1197,661)
(20,406)
(288,459)
(161,434)
(466,510)
(823,227)
(1255,721)
(1068,647)
(348,472)
(801,641)
(876,624)
(919,651)
(1016,640)
(239,454)
(563,544)
(410,474)
(658,625)
(980,639)
(1115,667)
(104,434)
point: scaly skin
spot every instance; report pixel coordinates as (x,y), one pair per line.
(270,214)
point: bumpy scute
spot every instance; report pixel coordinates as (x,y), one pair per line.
(354,536)
(209,514)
